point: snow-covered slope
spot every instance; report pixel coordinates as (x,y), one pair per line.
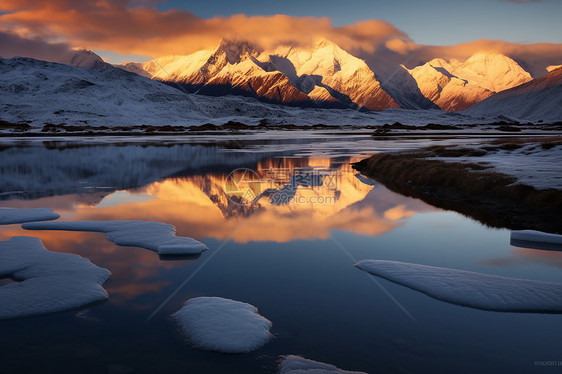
(328,73)
(454,86)
(539,99)
(84,58)
(39,92)
(45,92)
(324,75)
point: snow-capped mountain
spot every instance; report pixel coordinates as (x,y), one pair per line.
(46,92)
(537,100)
(455,85)
(39,92)
(324,75)
(84,58)
(327,73)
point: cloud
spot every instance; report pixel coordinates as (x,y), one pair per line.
(532,57)
(119,26)
(125,27)
(13,45)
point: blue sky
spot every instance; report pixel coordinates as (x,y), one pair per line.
(429,22)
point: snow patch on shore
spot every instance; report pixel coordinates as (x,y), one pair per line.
(531,164)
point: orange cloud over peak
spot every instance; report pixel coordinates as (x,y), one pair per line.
(117,26)
(139,28)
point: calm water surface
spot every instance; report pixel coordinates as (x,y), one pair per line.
(292,260)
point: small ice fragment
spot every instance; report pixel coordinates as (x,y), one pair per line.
(15,215)
(536,236)
(174,249)
(365,180)
(475,290)
(300,365)
(223,325)
(156,236)
(46,282)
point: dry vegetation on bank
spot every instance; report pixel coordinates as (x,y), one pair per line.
(472,189)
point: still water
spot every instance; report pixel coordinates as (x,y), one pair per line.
(293,259)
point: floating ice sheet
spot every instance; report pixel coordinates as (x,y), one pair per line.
(536,240)
(365,180)
(46,282)
(156,236)
(223,325)
(14,215)
(536,236)
(475,290)
(299,365)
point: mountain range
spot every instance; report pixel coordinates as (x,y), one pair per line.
(327,76)
(39,93)
(95,93)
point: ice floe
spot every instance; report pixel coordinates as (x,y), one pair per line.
(475,290)
(14,215)
(156,236)
(536,240)
(223,325)
(536,236)
(365,180)
(46,282)
(300,365)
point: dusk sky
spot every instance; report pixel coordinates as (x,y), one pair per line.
(430,22)
(121,30)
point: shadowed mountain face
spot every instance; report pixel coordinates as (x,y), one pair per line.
(324,76)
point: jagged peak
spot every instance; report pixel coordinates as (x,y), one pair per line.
(84,58)
(487,54)
(321,43)
(438,62)
(236,51)
(490,57)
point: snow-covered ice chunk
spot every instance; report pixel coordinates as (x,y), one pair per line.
(365,180)
(223,325)
(14,215)
(475,290)
(156,236)
(300,365)
(536,236)
(46,282)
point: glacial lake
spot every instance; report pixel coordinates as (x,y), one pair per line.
(293,260)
